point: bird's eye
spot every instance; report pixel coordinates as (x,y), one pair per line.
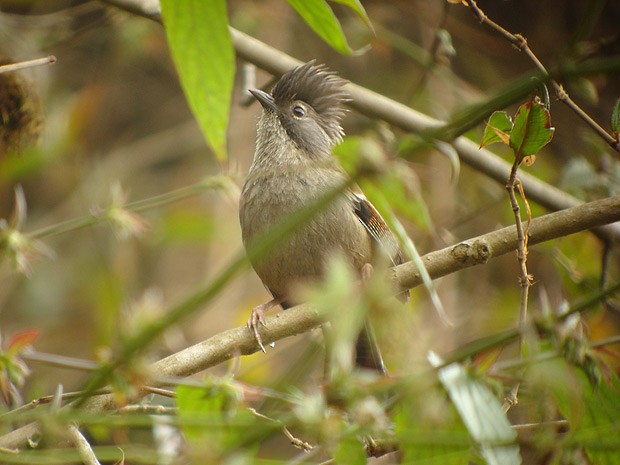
(299,111)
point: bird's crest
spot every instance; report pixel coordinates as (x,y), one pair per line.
(320,88)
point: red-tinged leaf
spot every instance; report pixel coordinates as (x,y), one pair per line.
(532,129)
(498,129)
(22,339)
(483,361)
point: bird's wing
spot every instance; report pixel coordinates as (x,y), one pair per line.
(379,231)
(377,227)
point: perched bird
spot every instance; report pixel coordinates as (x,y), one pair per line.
(292,166)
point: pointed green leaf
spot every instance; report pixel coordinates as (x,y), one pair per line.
(532,129)
(482,414)
(615,117)
(498,129)
(320,17)
(202,51)
(357,6)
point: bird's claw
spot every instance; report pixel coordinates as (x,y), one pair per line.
(257,317)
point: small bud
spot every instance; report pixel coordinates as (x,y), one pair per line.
(125,222)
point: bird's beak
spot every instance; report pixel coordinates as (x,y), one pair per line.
(265,99)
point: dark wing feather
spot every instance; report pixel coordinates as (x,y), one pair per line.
(377,228)
(379,231)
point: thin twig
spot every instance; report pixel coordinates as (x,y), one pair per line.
(607,341)
(159,391)
(210,182)
(46,400)
(60,361)
(521,43)
(431,59)
(300,444)
(149,409)
(533,426)
(400,116)
(525,279)
(27,64)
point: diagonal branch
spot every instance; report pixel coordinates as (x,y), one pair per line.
(302,318)
(401,116)
(521,43)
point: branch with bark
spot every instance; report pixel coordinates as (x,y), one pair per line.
(472,252)
(377,106)
(571,216)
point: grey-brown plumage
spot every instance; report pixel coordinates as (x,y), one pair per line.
(292,166)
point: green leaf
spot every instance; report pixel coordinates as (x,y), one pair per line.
(202,51)
(428,432)
(532,129)
(357,6)
(350,452)
(591,409)
(482,414)
(498,129)
(602,422)
(615,117)
(593,413)
(212,416)
(320,17)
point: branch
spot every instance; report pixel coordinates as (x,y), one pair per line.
(49,60)
(398,115)
(83,447)
(302,318)
(479,250)
(521,43)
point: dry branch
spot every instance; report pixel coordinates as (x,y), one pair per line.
(302,318)
(401,116)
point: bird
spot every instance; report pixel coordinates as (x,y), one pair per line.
(293,165)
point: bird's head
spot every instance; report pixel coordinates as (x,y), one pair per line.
(305,106)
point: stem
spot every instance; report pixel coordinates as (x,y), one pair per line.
(525,279)
(521,43)
(398,115)
(27,64)
(74,224)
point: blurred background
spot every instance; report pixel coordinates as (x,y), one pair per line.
(109,122)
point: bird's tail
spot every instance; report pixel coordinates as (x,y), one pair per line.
(367,352)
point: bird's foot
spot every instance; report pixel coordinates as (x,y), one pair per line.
(257,318)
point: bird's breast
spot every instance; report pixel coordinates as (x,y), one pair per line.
(268,197)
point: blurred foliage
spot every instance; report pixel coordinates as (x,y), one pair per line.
(122,214)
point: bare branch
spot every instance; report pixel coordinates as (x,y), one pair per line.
(49,60)
(302,318)
(401,116)
(480,249)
